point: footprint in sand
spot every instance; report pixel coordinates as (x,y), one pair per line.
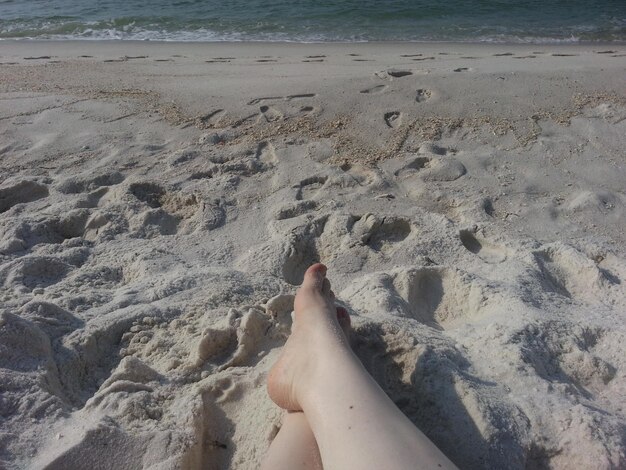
(35,271)
(21,193)
(270,114)
(220,59)
(362,175)
(266,153)
(429,147)
(486,251)
(301,96)
(393,119)
(422,95)
(299,250)
(374,90)
(295,209)
(172,212)
(211,119)
(569,349)
(440,297)
(261,159)
(399,73)
(432,169)
(306,110)
(183,156)
(71,224)
(309,187)
(568,272)
(380,233)
(390,74)
(264,98)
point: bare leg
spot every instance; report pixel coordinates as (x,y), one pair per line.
(354,422)
(295,447)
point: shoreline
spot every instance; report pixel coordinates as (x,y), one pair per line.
(384,51)
(556,43)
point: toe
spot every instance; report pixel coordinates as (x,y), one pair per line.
(314,277)
(326,290)
(343,317)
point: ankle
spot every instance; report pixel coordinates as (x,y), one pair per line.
(334,362)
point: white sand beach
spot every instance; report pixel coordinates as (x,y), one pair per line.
(159,203)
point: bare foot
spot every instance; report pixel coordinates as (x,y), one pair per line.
(319,332)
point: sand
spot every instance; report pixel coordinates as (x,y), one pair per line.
(159,204)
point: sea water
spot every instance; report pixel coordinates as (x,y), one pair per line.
(317,20)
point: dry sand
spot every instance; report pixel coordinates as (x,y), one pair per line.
(159,204)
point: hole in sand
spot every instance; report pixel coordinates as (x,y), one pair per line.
(488,207)
(149,193)
(391,230)
(22,192)
(470,242)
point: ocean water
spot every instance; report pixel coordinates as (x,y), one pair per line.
(522,21)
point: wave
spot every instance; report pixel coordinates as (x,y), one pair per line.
(142,29)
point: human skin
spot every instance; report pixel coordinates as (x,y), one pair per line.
(295,447)
(354,423)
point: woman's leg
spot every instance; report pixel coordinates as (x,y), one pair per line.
(354,422)
(294,447)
